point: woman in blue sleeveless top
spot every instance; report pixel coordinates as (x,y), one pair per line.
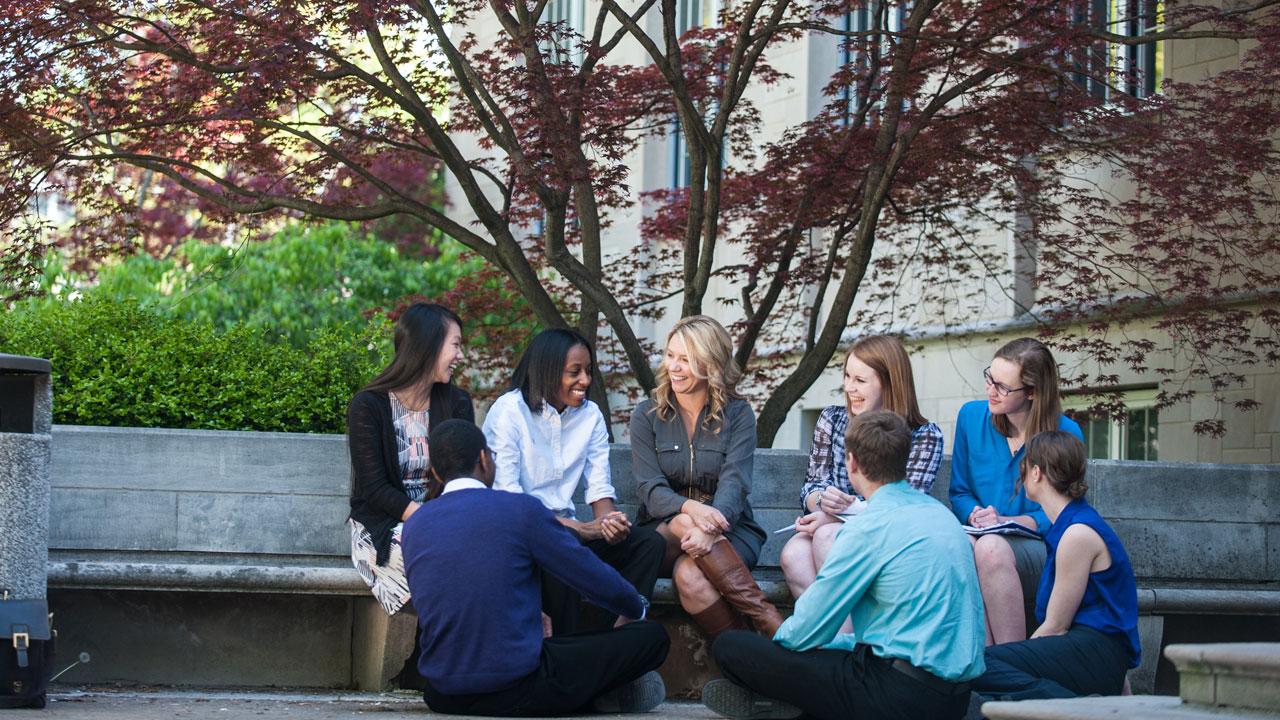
(1087,602)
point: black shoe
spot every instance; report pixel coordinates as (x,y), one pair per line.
(975,706)
(409,679)
(735,701)
(638,696)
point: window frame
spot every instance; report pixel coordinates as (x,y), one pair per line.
(1135,399)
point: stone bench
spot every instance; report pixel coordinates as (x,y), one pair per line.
(157,537)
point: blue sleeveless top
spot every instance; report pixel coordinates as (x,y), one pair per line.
(1110,602)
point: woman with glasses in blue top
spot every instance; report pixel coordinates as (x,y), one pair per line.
(1022,401)
(1087,602)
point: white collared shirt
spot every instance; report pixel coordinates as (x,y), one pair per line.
(546,454)
(462,483)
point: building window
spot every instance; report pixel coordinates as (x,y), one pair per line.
(695,13)
(1111,68)
(689,14)
(1134,437)
(571,16)
(874,15)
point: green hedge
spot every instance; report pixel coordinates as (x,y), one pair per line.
(289,285)
(115,363)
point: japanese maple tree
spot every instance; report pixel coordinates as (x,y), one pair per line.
(154,119)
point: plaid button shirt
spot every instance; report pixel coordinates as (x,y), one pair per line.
(826,459)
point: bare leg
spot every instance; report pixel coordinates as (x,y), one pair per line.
(673,546)
(797,562)
(1001,590)
(695,590)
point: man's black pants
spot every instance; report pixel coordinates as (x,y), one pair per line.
(574,670)
(637,559)
(834,684)
(1084,661)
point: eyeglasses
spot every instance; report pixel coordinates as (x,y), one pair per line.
(1001,389)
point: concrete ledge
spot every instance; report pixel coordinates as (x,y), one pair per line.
(198,577)
(1236,675)
(1152,707)
(339,578)
(1156,600)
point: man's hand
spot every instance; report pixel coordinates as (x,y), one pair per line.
(586,531)
(809,524)
(705,517)
(546,626)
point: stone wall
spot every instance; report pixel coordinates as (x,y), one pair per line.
(221,558)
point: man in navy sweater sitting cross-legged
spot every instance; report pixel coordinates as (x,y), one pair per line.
(473,558)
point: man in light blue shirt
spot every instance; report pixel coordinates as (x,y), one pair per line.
(903,571)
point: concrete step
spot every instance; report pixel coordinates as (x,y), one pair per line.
(1148,707)
(163,704)
(1232,675)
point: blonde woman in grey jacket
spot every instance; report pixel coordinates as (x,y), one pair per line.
(692,448)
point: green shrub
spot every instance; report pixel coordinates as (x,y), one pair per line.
(289,286)
(115,363)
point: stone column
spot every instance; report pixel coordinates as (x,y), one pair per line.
(26,416)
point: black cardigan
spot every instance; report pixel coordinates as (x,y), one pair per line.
(377,484)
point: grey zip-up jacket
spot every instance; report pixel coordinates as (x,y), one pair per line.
(719,462)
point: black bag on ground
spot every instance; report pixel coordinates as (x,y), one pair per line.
(26,652)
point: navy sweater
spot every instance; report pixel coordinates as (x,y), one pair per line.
(472,559)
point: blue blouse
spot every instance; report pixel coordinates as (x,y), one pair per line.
(1110,602)
(984,472)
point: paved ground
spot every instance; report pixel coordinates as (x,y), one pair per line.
(67,703)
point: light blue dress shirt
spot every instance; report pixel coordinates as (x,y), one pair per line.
(903,570)
(984,472)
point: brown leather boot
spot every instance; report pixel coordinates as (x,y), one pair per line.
(730,576)
(717,619)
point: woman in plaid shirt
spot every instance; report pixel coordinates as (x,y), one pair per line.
(877,375)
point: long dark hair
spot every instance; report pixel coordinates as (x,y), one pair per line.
(538,374)
(420,335)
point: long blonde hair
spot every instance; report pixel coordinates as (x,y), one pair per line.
(710,358)
(1038,372)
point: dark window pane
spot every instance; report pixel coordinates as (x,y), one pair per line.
(1097,436)
(1136,436)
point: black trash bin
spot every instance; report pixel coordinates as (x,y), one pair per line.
(26,422)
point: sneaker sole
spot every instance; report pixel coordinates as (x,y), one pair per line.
(733,701)
(638,696)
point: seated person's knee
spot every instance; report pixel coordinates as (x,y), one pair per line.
(827,533)
(680,525)
(796,552)
(688,576)
(991,552)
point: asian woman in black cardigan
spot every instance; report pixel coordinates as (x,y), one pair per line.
(387,426)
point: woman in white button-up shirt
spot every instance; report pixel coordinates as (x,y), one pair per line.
(547,438)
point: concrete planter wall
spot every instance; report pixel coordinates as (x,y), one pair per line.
(155,536)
